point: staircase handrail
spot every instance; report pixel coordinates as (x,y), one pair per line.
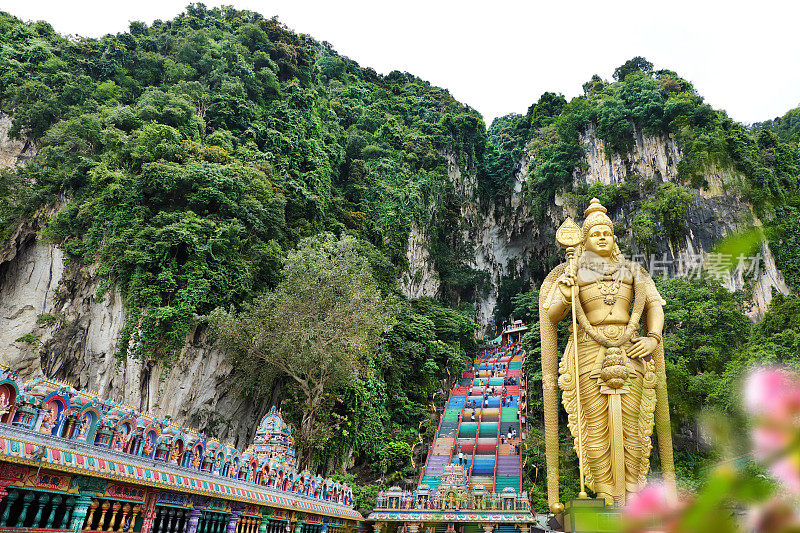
(433,443)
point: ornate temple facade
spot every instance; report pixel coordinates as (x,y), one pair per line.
(70,461)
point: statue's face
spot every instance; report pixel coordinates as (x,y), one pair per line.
(600,240)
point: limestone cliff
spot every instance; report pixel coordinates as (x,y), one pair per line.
(509,242)
(72,334)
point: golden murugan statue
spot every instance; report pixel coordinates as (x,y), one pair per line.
(621,379)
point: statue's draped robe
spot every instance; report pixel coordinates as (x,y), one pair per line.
(638,400)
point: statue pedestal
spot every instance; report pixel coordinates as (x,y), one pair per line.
(591,515)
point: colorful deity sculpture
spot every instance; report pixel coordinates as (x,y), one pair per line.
(49,421)
(5,404)
(120,437)
(83,430)
(612,373)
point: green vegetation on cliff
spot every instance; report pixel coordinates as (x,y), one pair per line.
(187,158)
(655,102)
(192,154)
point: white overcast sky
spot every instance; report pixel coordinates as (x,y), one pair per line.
(499,56)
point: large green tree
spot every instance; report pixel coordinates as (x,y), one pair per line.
(318,326)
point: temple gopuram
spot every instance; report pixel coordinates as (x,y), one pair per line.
(72,462)
(471,480)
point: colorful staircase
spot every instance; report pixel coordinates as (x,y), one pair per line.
(481,409)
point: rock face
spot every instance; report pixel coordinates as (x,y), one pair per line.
(27,291)
(652,157)
(13,152)
(72,334)
(420,279)
(510,242)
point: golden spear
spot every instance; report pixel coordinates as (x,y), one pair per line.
(569,236)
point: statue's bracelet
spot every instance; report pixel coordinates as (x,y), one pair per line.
(655,335)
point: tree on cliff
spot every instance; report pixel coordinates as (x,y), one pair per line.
(636,64)
(317,327)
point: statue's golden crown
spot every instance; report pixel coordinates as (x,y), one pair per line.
(595,214)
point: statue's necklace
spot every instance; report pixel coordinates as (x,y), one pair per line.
(609,284)
(609,288)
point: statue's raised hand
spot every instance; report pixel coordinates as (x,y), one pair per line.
(565,284)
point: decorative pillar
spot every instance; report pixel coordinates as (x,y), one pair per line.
(55,502)
(103,511)
(187,515)
(126,509)
(180,520)
(163,520)
(136,509)
(66,427)
(194,518)
(413,527)
(26,502)
(524,528)
(170,521)
(68,512)
(87,487)
(41,503)
(203,521)
(92,507)
(488,528)
(262,527)
(12,497)
(378,526)
(234,518)
(114,512)
(158,518)
(149,512)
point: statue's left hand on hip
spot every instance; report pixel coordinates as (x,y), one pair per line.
(642,347)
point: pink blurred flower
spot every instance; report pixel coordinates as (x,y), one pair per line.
(772,392)
(787,470)
(650,501)
(652,509)
(772,395)
(768,441)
